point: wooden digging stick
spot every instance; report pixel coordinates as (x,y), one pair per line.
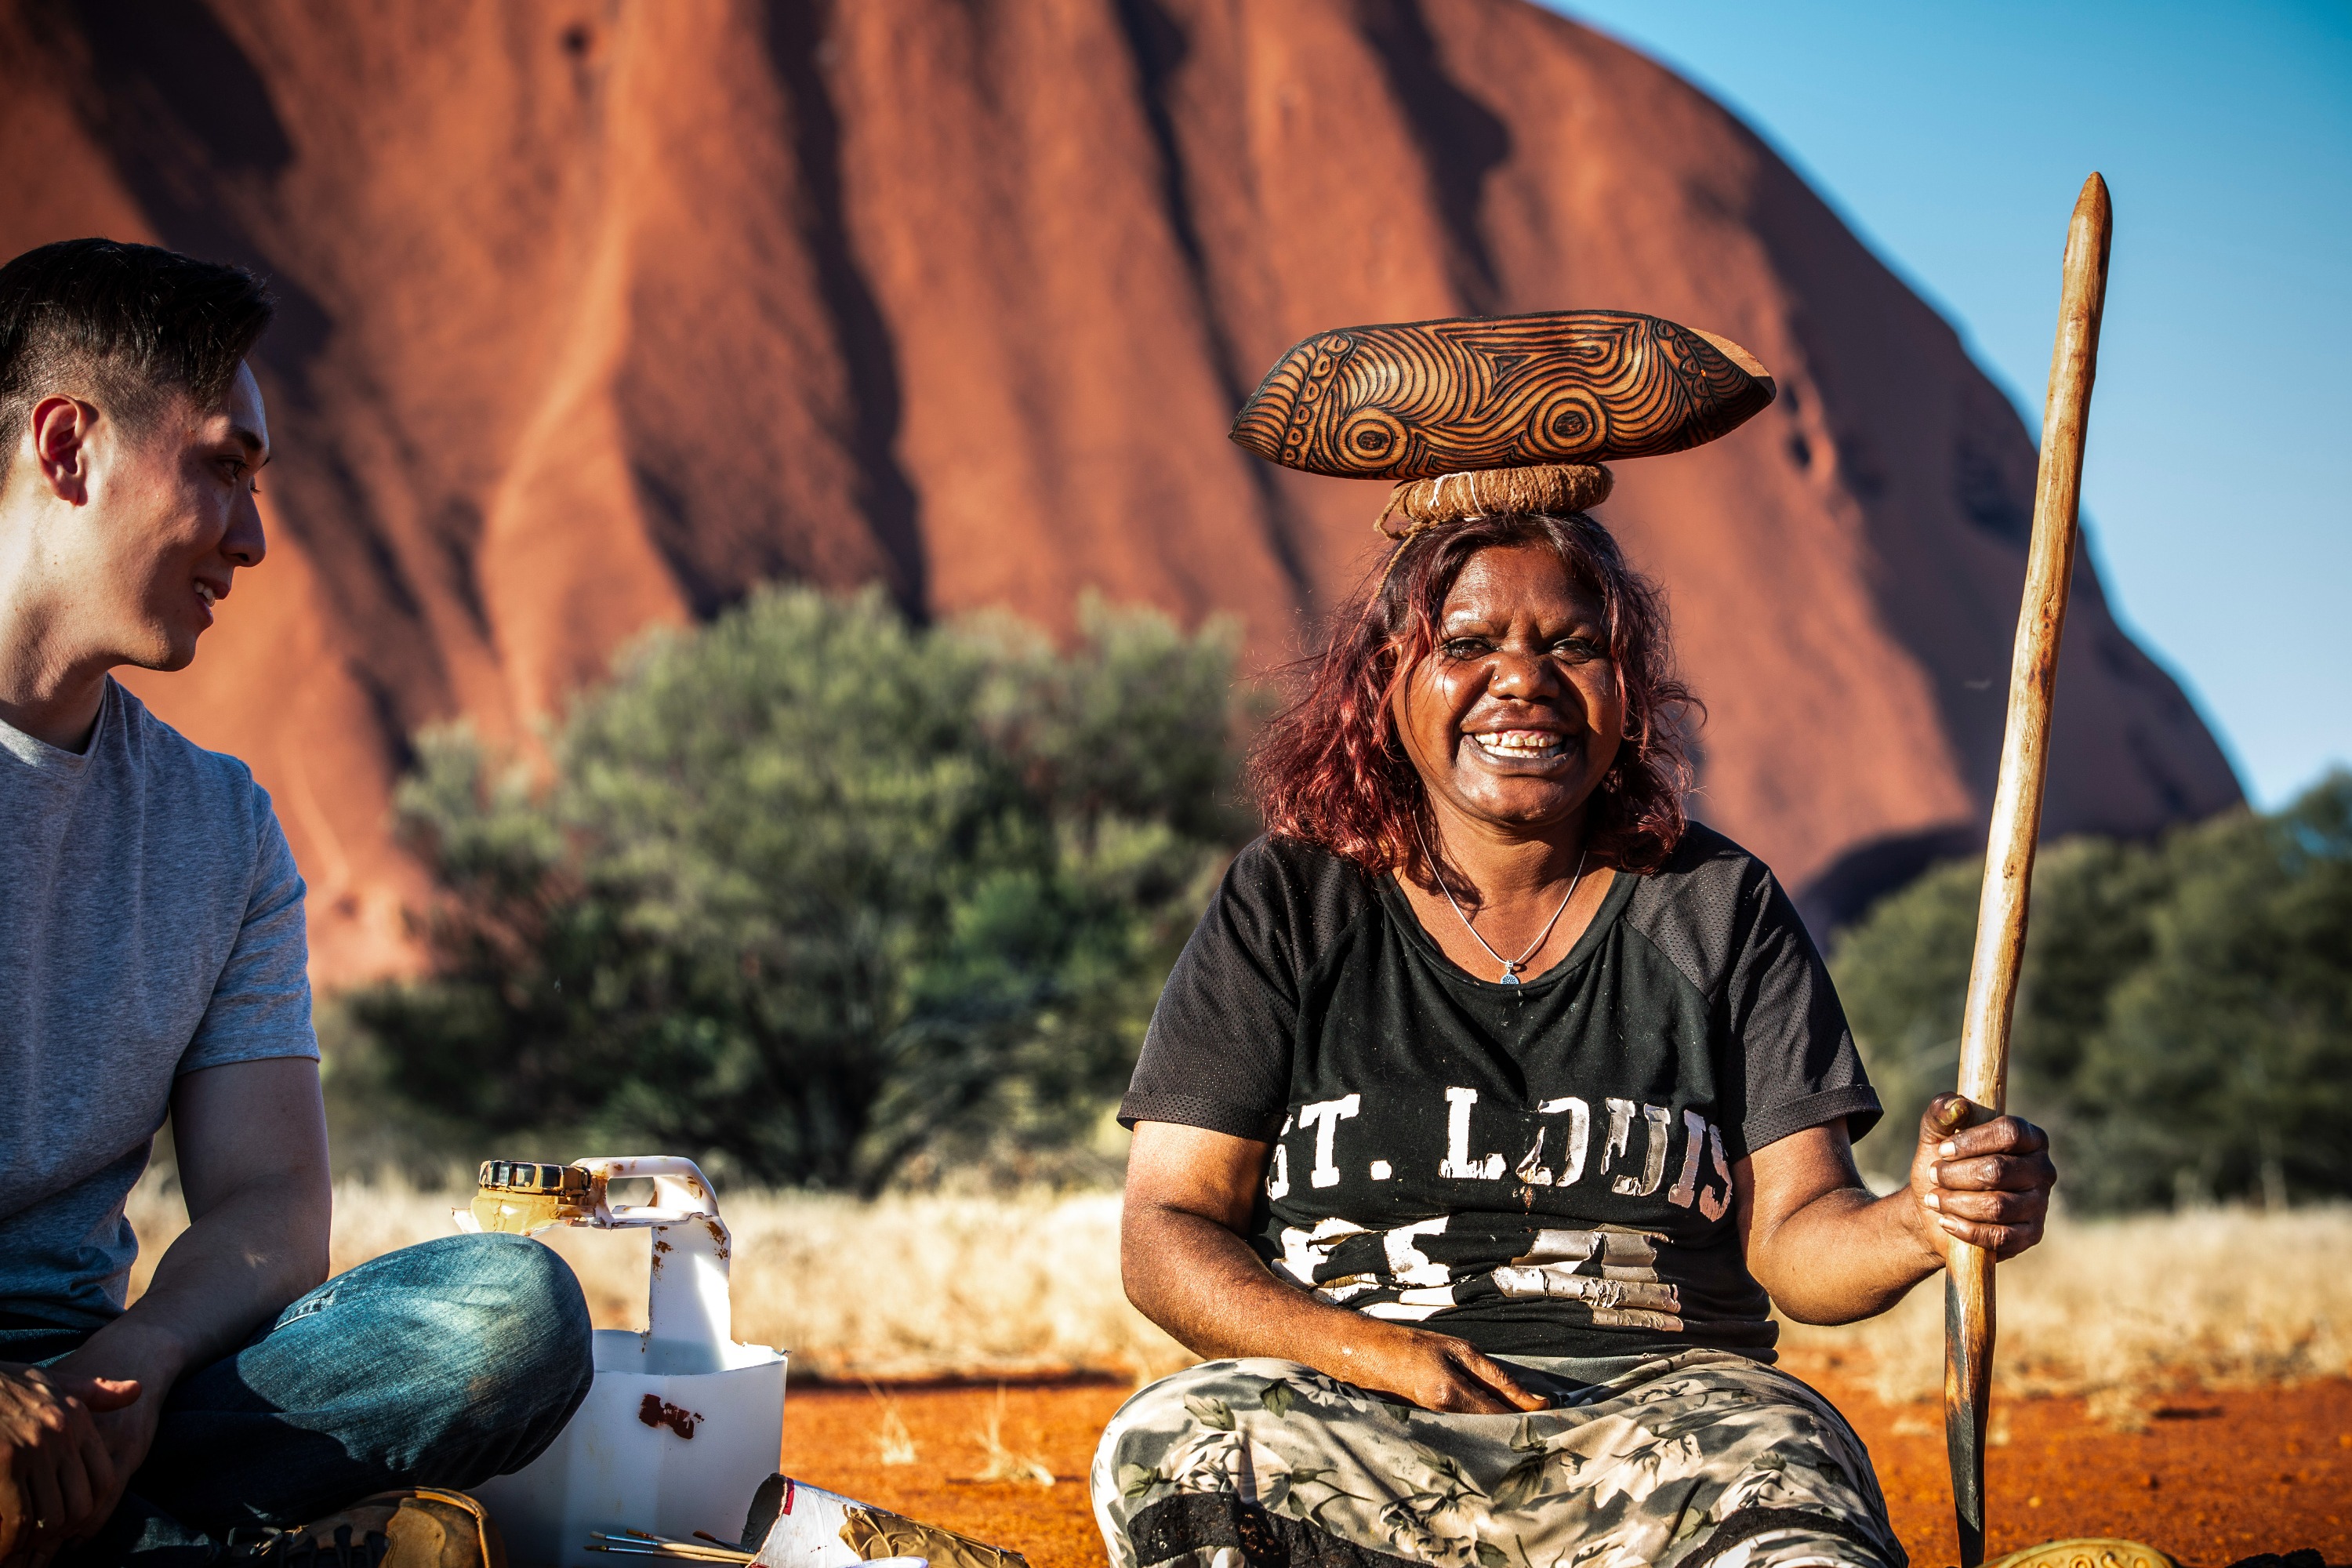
(2016,823)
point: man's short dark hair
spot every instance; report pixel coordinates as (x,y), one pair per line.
(123,325)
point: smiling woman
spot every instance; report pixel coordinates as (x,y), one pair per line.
(1493,1105)
(1331,769)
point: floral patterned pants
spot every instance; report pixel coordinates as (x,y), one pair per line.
(1703,1458)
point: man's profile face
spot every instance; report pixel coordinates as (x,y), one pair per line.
(176,518)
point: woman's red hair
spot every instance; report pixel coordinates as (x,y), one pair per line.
(1330,768)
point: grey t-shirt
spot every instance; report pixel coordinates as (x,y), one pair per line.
(151,925)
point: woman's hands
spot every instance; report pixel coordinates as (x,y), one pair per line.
(1826,1249)
(1988,1184)
(1188,1193)
(1435,1371)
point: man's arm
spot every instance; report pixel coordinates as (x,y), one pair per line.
(252,1143)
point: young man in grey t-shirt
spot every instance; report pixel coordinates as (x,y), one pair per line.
(153,964)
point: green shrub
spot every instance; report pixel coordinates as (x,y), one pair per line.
(810,891)
(2184,1025)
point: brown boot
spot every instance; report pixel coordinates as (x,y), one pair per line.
(422,1528)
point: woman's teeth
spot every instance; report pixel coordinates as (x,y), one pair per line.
(1519,745)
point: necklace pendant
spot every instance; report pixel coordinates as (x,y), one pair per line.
(1510,976)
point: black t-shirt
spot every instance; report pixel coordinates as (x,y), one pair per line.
(1541,1169)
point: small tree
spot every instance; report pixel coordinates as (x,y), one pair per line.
(2185,1021)
(811,890)
(2225,1066)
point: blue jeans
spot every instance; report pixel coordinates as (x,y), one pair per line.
(441,1365)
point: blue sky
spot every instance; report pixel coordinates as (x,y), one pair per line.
(2217,489)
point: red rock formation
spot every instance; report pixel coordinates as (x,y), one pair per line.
(597,311)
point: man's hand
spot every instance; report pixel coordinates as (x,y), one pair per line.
(1435,1371)
(142,1362)
(59,1478)
(1988,1184)
(253,1164)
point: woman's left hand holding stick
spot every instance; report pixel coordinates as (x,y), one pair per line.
(1830,1252)
(1988,1184)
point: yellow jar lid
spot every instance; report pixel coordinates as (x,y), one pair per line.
(529,1176)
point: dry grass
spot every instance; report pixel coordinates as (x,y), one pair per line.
(893,1443)
(903,1288)
(1002,1461)
(2122,1310)
(2118,1310)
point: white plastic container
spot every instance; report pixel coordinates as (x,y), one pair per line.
(682,1424)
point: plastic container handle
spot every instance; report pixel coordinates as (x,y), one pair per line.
(686,1304)
(680,1189)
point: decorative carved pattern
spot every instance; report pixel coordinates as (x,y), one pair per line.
(1425,399)
(2091,1552)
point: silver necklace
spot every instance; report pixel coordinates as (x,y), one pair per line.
(1511,966)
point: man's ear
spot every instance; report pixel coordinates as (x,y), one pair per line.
(61,433)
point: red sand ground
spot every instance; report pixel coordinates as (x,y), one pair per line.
(2216,1477)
